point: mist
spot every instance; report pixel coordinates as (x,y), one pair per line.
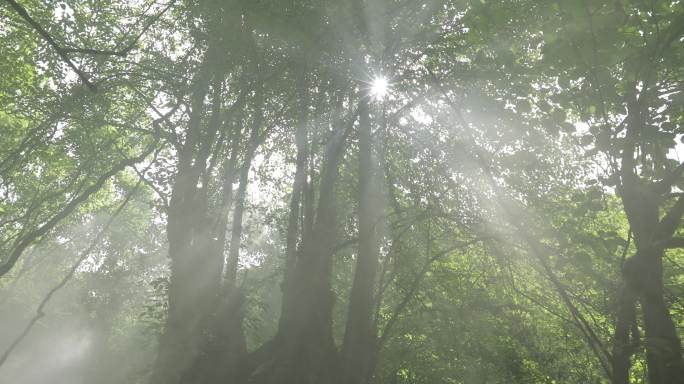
(341,192)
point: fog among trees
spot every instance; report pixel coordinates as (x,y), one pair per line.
(341,191)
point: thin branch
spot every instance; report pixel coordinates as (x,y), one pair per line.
(399,309)
(509,208)
(40,310)
(60,51)
(63,52)
(673,177)
(126,50)
(29,238)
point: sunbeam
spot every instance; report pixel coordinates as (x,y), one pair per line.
(379,88)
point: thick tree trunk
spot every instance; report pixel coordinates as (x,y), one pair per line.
(226,347)
(193,288)
(643,200)
(360,339)
(663,348)
(625,337)
(192,261)
(203,341)
(304,348)
(643,275)
(303,351)
(196,258)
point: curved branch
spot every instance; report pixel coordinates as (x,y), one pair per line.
(39,311)
(415,285)
(27,240)
(126,50)
(60,51)
(63,52)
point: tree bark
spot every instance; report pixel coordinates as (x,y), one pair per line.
(238,211)
(195,264)
(303,350)
(663,347)
(643,275)
(298,185)
(360,339)
(625,337)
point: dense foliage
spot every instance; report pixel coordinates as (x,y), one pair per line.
(341,191)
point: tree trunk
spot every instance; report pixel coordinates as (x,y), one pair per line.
(360,339)
(663,348)
(298,184)
(643,275)
(303,351)
(195,263)
(624,345)
(236,229)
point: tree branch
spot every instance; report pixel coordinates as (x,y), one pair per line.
(126,50)
(674,242)
(415,284)
(60,51)
(63,52)
(93,244)
(28,239)
(664,185)
(670,222)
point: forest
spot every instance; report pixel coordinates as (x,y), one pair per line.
(341,191)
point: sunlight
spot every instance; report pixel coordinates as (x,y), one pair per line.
(379,88)
(309,191)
